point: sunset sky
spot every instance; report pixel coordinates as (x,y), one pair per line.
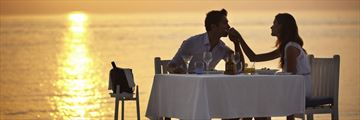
(130,6)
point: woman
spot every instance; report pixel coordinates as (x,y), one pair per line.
(293,58)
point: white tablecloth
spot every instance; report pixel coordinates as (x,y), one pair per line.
(225,96)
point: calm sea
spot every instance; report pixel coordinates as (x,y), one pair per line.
(57,66)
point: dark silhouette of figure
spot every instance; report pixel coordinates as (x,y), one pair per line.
(293,57)
(216,24)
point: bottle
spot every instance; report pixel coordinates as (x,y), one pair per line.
(113,65)
(230,66)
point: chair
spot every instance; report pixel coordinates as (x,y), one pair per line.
(161,66)
(124,96)
(325,87)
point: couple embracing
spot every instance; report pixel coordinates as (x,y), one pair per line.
(293,57)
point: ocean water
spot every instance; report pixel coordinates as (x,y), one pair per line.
(57,66)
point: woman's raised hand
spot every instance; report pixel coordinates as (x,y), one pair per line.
(234,35)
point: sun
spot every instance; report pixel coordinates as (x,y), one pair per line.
(78,17)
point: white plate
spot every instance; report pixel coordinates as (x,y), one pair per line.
(283,73)
(214,72)
(266,72)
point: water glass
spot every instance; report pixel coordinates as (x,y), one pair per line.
(199,67)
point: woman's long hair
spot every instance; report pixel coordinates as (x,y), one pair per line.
(288,33)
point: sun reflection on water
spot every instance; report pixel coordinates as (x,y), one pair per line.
(76,95)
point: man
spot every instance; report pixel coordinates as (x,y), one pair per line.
(216,24)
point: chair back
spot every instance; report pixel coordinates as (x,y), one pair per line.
(122,77)
(325,76)
(161,66)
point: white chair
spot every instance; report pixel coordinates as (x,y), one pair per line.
(161,66)
(325,87)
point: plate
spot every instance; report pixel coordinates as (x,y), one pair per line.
(214,72)
(266,72)
(283,73)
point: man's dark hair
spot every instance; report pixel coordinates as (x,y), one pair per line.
(214,17)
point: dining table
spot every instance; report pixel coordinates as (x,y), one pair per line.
(207,96)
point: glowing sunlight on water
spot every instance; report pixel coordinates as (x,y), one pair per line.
(76,84)
(56,66)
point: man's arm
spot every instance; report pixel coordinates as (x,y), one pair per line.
(177,65)
(238,50)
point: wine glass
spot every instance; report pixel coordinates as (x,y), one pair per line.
(253,68)
(207,57)
(187,58)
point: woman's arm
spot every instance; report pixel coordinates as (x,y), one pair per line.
(292,53)
(250,53)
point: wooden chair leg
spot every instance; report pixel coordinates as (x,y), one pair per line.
(137,103)
(117,102)
(122,108)
(335,114)
(309,116)
(116,108)
(301,116)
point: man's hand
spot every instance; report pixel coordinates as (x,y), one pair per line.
(234,35)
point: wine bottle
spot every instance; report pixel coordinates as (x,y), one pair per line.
(113,64)
(230,66)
